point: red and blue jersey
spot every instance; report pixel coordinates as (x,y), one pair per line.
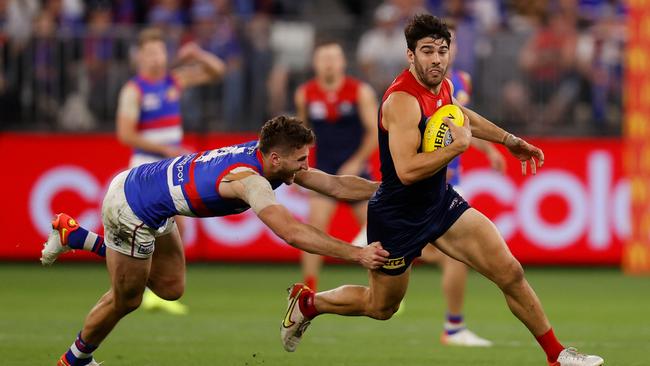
(189,185)
(462,83)
(334,117)
(160,111)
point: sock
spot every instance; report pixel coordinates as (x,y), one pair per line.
(306,303)
(87,240)
(454,323)
(550,344)
(79,354)
(311,282)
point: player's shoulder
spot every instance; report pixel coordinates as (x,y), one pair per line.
(400,103)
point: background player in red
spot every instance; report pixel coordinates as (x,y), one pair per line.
(343,114)
(415,207)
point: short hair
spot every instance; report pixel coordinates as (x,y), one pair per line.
(425,25)
(285,133)
(150,35)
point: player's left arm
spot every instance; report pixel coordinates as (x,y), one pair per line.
(483,129)
(368,113)
(341,187)
(197,66)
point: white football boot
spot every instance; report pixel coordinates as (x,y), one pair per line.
(571,357)
(56,244)
(464,338)
(295,323)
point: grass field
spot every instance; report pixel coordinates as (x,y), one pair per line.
(236,313)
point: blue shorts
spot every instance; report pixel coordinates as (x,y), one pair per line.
(404,231)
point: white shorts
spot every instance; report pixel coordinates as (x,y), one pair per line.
(124,232)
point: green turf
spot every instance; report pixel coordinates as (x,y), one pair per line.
(236,313)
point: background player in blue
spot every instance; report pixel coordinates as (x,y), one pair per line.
(343,113)
(141,237)
(149,111)
(454,273)
(414,206)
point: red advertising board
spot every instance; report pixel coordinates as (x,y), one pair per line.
(575,211)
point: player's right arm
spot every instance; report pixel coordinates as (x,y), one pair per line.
(256,191)
(128,112)
(400,116)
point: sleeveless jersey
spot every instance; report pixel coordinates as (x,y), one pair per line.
(429,191)
(188,185)
(334,117)
(160,111)
(462,83)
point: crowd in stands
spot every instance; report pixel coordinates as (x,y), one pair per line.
(541,67)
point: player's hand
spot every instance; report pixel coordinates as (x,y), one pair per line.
(189,51)
(373,256)
(525,152)
(352,167)
(462,135)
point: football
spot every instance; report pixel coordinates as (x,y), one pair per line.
(436,133)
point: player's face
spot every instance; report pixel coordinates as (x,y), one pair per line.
(292,163)
(430,60)
(329,62)
(152,57)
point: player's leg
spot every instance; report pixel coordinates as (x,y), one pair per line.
(128,279)
(167,276)
(475,240)
(379,301)
(321,210)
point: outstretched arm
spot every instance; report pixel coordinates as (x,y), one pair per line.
(483,129)
(341,187)
(197,66)
(257,193)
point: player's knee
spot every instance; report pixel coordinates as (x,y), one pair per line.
(125,303)
(511,275)
(384,312)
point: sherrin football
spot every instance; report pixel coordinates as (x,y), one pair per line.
(436,133)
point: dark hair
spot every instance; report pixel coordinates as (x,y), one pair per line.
(425,25)
(285,133)
(149,35)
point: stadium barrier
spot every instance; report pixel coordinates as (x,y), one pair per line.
(576,210)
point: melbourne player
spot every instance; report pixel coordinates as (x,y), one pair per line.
(454,273)
(415,207)
(343,114)
(143,247)
(149,111)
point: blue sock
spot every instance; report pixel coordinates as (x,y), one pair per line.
(87,240)
(454,323)
(79,354)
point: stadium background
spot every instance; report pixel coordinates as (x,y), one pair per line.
(62,63)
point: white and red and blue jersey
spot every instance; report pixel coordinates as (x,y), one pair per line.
(334,117)
(188,185)
(462,92)
(160,111)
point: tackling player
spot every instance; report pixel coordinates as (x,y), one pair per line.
(143,247)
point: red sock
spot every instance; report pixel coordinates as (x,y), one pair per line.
(306,303)
(311,282)
(550,344)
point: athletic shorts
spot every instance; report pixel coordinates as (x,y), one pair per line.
(124,232)
(404,231)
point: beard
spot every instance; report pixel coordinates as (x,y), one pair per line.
(431,80)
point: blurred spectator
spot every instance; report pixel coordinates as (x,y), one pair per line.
(19,18)
(549,61)
(259,58)
(381,51)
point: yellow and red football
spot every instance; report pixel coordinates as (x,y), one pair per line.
(436,133)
